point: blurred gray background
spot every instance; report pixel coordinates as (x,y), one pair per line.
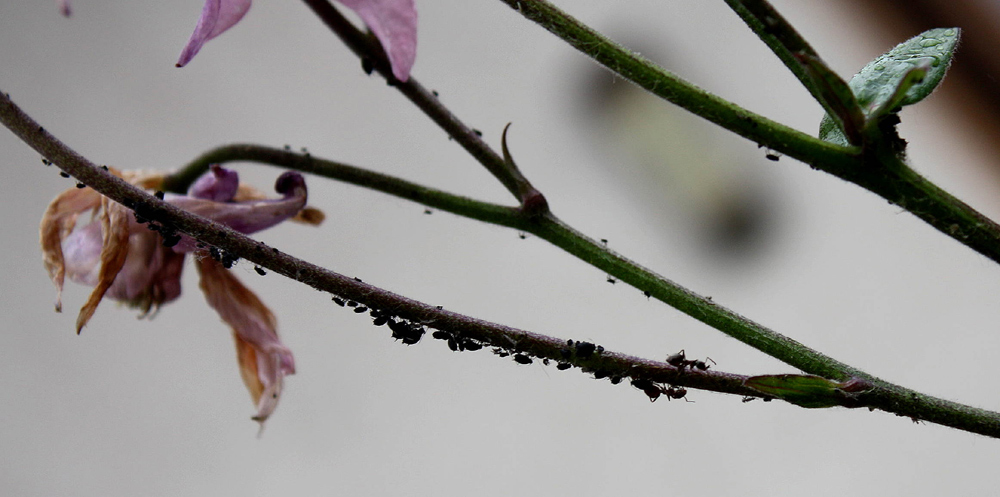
(156,407)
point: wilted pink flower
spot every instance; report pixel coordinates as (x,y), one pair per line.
(394,23)
(125,260)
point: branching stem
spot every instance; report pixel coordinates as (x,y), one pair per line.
(885,176)
(883,395)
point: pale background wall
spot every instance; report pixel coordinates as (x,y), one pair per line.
(157,407)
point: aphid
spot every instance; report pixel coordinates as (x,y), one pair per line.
(64,174)
(428,211)
(522,235)
(768,153)
(288,147)
(748,398)
(408,333)
(46,161)
(478,133)
(351,303)
(599,375)
(522,359)
(600,349)
(441,335)
(358,279)
(104,168)
(259,270)
(439,307)
(647,294)
(169,240)
(158,194)
(585,349)
(470,345)
(228,260)
(545,361)
(380,320)
(453,344)
(359,309)
(612,280)
(434,92)
(339,301)
(81,185)
(604,241)
(616,380)
(563,366)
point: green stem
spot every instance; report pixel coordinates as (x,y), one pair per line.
(898,184)
(633,67)
(884,395)
(551,229)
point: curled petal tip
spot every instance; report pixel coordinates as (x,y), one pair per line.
(218,185)
(288,182)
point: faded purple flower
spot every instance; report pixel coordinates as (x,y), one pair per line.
(125,260)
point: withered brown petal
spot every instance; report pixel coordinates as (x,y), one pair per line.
(264,360)
(57,222)
(115,232)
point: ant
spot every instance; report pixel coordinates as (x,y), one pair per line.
(680,361)
(654,391)
(672,392)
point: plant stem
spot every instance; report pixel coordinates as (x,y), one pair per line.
(551,229)
(897,183)
(883,395)
(368,49)
(668,86)
(466,328)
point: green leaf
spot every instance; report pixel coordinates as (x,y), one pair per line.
(835,95)
(802,390)
(903,76)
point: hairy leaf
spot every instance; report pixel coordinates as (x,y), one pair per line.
(903,76)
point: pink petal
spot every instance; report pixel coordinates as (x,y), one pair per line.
(394,23)
(216,17)
(218,184)
(247,217)
(150,276)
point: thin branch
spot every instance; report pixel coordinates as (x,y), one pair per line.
(370,52)
(457,328)
(879,173)
(885,395)
(464,330)
(780,36)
